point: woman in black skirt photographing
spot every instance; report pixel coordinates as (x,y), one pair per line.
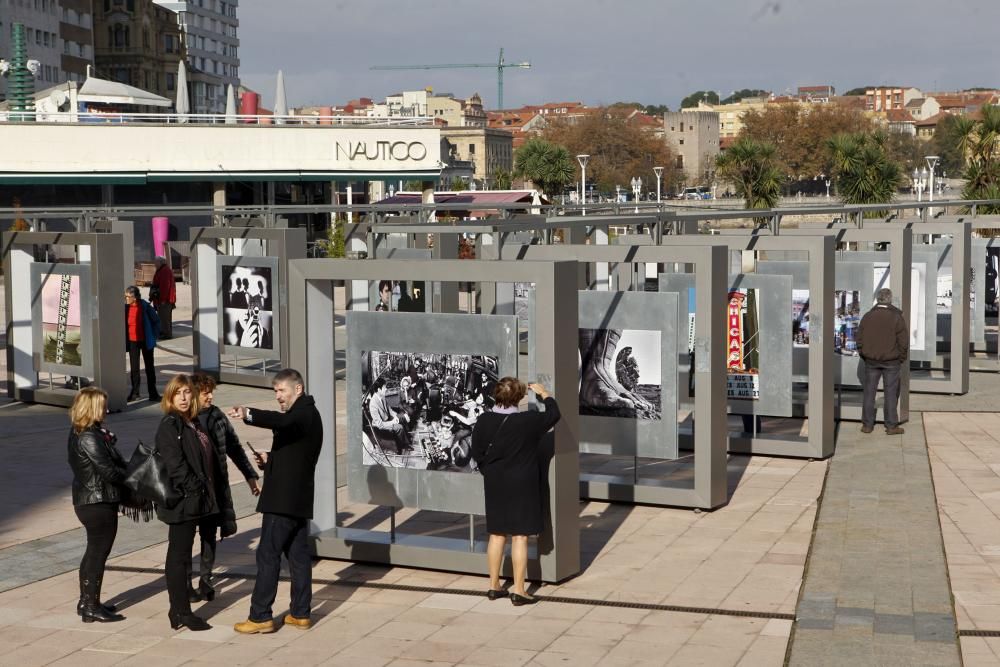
(505,444)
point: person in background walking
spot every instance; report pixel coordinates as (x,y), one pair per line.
(505,445)
(98,470)
(188,455)
(884,344)
(286,501)
(226,444)
(142,329)
(163,296)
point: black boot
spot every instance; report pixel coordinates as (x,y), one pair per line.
(188,620)
(110,608)
(91,609)
(206,591)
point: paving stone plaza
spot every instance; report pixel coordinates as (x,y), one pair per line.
(886,553)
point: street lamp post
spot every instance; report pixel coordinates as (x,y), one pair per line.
(659,176)
(932,161)
(582,159)
(827,181)
(919,180)
(636,191)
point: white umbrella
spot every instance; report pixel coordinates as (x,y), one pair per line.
(280,106)
(230,105)
(183,106)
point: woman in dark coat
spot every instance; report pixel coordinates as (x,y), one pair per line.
(226,443)
(505,444)
(98,470)
(188,456)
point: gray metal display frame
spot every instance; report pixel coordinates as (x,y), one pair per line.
(287,245)
(954,380)
(819,406)
(710,436)
(310,287)
(107,330)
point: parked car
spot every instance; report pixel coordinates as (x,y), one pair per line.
(698,192)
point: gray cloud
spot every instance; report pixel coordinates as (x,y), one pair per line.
(599,51)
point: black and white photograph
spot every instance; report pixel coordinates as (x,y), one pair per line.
(419,409)
(620,373)
(399,296)
(248,306)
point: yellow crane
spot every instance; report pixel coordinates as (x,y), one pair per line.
(500,65)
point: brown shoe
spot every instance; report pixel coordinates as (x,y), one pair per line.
(867,429)
(300,623)
(895,430)
(249,627)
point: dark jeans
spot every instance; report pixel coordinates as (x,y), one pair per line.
(100,521)
(280,534)
(134,349)
(888,371)
(166,313)
(180,540)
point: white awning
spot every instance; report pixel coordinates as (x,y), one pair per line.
(103,91)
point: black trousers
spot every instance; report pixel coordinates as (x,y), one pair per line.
(287,535)
(888,371)
(180,540)
(208,530)
(166,313)
(100,521)
(134,349)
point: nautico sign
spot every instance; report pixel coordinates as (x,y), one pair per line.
(400,151)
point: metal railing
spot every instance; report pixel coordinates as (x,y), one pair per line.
(126,118)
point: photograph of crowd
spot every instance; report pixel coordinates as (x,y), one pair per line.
(395,296)
(61,325)
(992,277)
(918,307)
(846,318)
(620,373)
(248,306)
(419,409)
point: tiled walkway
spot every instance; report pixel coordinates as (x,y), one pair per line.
(876,589)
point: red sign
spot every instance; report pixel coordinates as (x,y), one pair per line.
(734,331)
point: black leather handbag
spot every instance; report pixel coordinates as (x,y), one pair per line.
(146,476)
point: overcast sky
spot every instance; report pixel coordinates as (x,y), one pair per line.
(604,51)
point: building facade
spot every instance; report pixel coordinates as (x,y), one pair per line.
(489,150)
(886,98)
(693,137)
(76,33)
(443,107)
(41,21)
(210,30)
(138,43)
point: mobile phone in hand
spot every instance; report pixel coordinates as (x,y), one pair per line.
(255,452)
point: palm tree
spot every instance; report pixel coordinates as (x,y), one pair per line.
(750,166)
(545,164)
(978,142)
(864,172)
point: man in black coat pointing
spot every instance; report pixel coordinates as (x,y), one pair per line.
(286,501)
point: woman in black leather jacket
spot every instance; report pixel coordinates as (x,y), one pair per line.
(187,453)
(98,469)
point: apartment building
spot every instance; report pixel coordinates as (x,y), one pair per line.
(489,150)
(886,98)
(76,34)
(41,20)
(138,43)
(210,30)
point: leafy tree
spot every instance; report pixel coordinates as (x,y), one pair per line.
(502,179)
(745,93)
(978,142)
(707,96)
(459,184)
(854,92)
(906,149)
(546,164)
(864,171)
(800,134)
(618,150)
(333,244)
(750,165)
(945,144)
(656,109)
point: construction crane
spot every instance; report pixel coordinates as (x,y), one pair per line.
(500,65)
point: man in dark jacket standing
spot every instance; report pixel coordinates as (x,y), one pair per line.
(286,501)
(884,345)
